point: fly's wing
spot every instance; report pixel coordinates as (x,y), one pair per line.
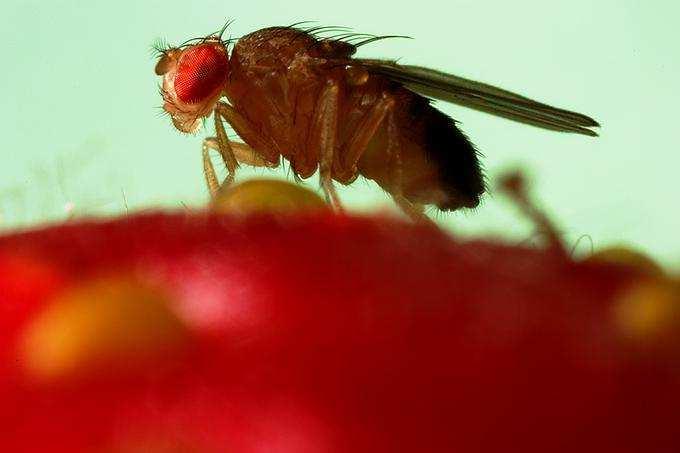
(480,96)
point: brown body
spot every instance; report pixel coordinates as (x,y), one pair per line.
(276,78)
(294,95)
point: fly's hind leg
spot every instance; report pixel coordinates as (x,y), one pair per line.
(415,211)
(381,112)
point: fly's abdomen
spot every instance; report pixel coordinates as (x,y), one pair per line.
(436,164)
(448,149)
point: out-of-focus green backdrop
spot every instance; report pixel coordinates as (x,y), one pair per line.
(81,134)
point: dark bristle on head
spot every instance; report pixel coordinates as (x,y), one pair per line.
(454,155)
(159,47)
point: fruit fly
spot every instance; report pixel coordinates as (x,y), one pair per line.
(296,93)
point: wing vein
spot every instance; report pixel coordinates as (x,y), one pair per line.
(483,97)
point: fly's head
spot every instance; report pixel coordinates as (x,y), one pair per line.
(194,76)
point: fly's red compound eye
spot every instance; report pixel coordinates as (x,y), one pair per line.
(201,71)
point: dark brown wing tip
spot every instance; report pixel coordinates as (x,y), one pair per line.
(586,121)
(589,132)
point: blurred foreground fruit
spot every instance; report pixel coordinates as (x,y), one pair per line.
(324,333)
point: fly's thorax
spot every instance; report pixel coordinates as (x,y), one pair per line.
(273,47)
(299,61)
(282,46)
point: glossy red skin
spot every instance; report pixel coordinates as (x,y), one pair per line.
(347,334)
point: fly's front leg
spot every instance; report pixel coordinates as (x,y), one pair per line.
(248,132)
(208,169)
(222,145)
(240,151)
(323,138)
(244,154)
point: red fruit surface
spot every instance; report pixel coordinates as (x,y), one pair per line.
(337,334)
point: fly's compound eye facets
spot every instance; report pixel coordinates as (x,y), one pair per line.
(201,71)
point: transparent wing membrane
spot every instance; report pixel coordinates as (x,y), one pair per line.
(482,97)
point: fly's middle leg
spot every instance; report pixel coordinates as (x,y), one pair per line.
(324,136)
(249,132)
(233,152)
(354,149)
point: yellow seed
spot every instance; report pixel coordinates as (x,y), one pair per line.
(628,257)
(266,196)
(648,315)
(113,322)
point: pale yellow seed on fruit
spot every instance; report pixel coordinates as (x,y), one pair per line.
(628,257)
(648,315)
(111,322)
(267,196)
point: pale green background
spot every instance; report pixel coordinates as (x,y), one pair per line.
(80,128)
